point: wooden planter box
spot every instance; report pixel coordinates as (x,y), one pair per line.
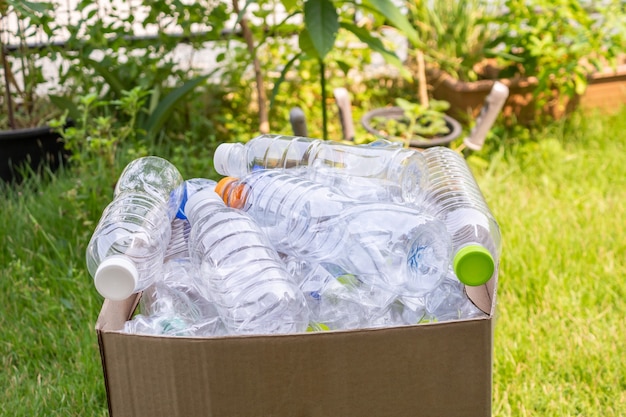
(606,92)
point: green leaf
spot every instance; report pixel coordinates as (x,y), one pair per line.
(116,85)
(281,79)
(289,4)
(38,7)
(322,22)
(504,55)
(405,105)
(306,44)
(65,103)
(160,114)
(344,66)
(242,12)
(395,17)
(377,45)
(580,82)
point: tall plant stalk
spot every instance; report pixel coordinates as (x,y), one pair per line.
(7,84)
(264,125)
(323,86)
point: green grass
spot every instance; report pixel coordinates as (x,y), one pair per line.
(559,335)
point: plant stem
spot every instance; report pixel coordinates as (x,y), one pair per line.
(7,86)
(421,79)
(323,86)
(264,125)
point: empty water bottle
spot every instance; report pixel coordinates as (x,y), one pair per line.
(178,247)
(454,197)
(382,171)
(125,253)
(396,247)
(241,271)
(154,176)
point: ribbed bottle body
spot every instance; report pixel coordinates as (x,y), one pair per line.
(154,176)
(136,227)
(241,271)
(380,173)
(125,253)
(454,197)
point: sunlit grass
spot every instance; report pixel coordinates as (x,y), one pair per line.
(562,299)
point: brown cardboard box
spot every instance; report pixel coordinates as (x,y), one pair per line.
(434,370)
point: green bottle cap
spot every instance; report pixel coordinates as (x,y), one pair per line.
(473,265)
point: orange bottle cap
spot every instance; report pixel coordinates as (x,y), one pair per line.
(233,194)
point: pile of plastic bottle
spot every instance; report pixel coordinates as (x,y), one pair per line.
(300,235)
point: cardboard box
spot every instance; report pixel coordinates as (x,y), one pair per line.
(438,369)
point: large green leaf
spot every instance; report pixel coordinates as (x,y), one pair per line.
(65,103)
(163,110)
(322,22)
(38,7)
(114,83)
(395,18)
(377,45)
(306,44)
(289,5)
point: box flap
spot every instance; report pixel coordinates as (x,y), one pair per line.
(483,296)
(114,314)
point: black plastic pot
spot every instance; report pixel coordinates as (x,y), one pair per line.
(398,113)
(34,147)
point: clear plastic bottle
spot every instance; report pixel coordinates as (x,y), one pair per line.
(126,250)
(454,197)
(241,271)
(178,247)
(154,176)
(396,247)
(381,171)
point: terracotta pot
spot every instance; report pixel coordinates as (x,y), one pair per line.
(398,113)
(467,98)
(606,91)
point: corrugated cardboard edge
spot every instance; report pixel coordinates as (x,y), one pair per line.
(112,316)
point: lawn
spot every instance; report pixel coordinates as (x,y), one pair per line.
(559,334)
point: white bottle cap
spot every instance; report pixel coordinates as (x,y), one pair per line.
(116,278)
(225,156)
(200,197)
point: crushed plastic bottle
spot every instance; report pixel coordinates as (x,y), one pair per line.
(339,300)
(241,271)
(397,247)
(126,250)
(379,172)
(173,306)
